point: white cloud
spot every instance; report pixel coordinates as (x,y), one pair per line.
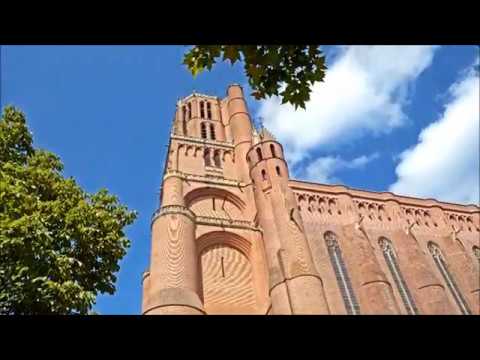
(444,164)
(322,169)
(364,91)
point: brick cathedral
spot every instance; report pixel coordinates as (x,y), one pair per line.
(234,234)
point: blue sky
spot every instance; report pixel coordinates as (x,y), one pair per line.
(386,118)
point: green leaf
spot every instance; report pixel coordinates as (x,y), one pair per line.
(231,53)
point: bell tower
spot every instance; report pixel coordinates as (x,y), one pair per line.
(207,252)
(227,237)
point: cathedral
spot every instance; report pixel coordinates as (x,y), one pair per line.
(234,234)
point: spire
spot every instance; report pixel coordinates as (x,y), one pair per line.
(255,136)
(265,134)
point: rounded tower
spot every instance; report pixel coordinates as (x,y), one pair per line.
(295,285)
(172,285)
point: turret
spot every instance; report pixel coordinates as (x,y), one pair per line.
(173,282)
(295,285)
(240,127)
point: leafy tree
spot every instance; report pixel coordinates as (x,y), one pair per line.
(285,70)
(59,246)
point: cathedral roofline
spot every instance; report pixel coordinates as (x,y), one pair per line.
(386,195)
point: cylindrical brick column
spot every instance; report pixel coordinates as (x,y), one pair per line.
(174,281)
(241,127)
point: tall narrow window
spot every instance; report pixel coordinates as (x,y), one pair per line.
(452,285)
(216,158)
(341,274)
(184,127)
(209,111)
(189,113)
(272,149)
(391,260)
(212,132)
(277,168)
(202,109)
(264,175)
(203,130)
(184,113)
(206,157)
(259,154)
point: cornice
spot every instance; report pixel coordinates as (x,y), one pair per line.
(299,185)
(203,179)
(195,95)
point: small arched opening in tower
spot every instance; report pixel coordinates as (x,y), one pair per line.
(189,113)
(212,132)
(277,168)
(206,157)
(184,123)
(202,109)
(209,111)
(272,149)
(259,154)
(203,130)
(216,158)
(264,175)
(184,113)
(476,252)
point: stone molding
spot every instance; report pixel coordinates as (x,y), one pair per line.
(203,220)
(203,179)
(194,140)
(240,224)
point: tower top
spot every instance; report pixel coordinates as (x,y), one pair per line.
(196,94)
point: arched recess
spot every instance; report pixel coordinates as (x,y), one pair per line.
(228,274)
(215,202)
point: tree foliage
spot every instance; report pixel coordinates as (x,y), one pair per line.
(288,71)
(59,246)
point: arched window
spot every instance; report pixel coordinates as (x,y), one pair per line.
(203,130)
(272,149)
(277,168)
(206,157)
(212,132)
(202,110)
(209,111)
(216,158)
(452,285)
(341,274)
(391,260)
(264,175)
(189,114)
(259,154)
(476,252)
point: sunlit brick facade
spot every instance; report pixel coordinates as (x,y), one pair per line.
(235,235)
